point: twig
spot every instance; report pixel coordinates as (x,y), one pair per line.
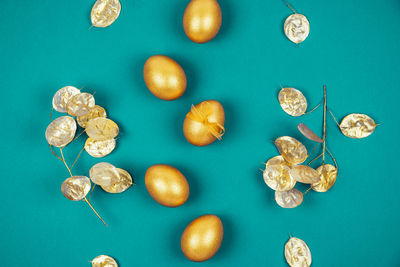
(90,205)
(63,159)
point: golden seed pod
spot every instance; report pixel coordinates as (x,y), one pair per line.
(95,112)
(125,181)
(167,185)
(296,28)
(105,12)
(278,177)
(104,261)
(99,149)
(304,174)
(80,104)
(104,174)
(102,129)
(164,77)
(277,160)
(297,253)
(289,199)
(76,187)
(62,96)
(291,149)
(328,174)
(357,125)
(204,123)
(202,238)
(292,101)
(61,131)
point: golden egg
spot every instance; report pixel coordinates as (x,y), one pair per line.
(202,238)
(167,185)
(204,123)
(164,77)
(202,20)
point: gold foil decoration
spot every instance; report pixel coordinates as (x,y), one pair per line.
(304,174)
(76,187)
(104,174)
(357,125)
(62,96)
(308,133)
(80,104)
(292,101)
(277,160)
(296,28)
(289,199)
(328,174)
(124,182)
(278,177)
(99,149)
(95,112)
(104,261)
(297,253)
(105,12)
(291,150)
(102,129)
(61,131)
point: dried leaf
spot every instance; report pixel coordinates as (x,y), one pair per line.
(104,174)
(80,104)
(99,149)
(76,187)
(104,261)
(308,133)
(291,150)
(62,96)
(105,12)
(95,112)
(122,184)
(61,131)
(289,199)
(304,174)
(357,125)
(277,177)
(277,160)
(297,253)
(292,101)
(102,129)
(296,28)
(328,174)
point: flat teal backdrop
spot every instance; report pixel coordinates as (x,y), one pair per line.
(353,48)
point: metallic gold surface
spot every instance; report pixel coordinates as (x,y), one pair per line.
(104,261)
(95,112)
(61,131)
(102,129)
(304,174)
(202,238)
(105,12)
(357,125)
(289,199)
(99,149)
(204,123)
(76,187)
(167,185)
(308,133)
(104,174)
(277,160)
(291,150)
(125,181)
(202,20)
(297,253)
(80,104)
(164,77)
(296,28)
(328,174)
(292,101)
(278,178)
(62,96)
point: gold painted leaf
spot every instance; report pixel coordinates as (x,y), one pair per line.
(328,174)
(357,125)
(102,129)
(105,12)
(289,199)
(95,112)
(304,174)
(124,182)
(291,149)
(278,178)
(277,160)
(76,187)
(308,133)
(296,28)
(292,101)
(61,131)
(80,104)
(99,149)
(104,174)
(62,96)
(104,261)
(297,253)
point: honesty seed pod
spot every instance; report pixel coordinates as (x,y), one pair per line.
(328,174)
(95,112)
(80,104)
(61,131)
(291,149)
(357,125)
(104,174)
(289,199)
(292,101)
(297,253)
(278,177)
(76,187)
(104,261)
(102,129)
(124,182)
(105,12)
(99,149)
(62,96)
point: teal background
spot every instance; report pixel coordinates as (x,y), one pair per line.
(353,48)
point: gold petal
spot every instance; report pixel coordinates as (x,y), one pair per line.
(277,177)
(76,187)
(122,184)
(62,96)
(95,112)
(99,149)
(292,101)
(105,12)
(328,175)
(304,174)
(297,253)
(61,131)
(289,199)
(277,160)
(104,261)
(291,150)
(80,104)
(104,174)
(308,133)
(102,129)
(357,125)
(296,28)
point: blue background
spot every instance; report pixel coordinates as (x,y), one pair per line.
(353,48)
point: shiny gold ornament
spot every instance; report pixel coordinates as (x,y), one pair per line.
(277,160)
(292,101)
(164,77)
(297,253)
(357,125)
(278,177)
(76,187)
(80,104)
(304,174)
(328,175)
(62,97)
(61,131)
(167,185)
(124,182)
(105,12)
(104,174)
(102,129)
(202,238)
(308,133)
(289,199)
(204,123)
(291,150)
(296,28)
(104,261)
(95,112)
(99,149)
(202,20)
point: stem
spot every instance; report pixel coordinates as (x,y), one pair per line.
(307,191)
(54,153)
(334,118)
(317,106)
(63,159)
(77,157)
(90,205)
(324,129)
(289,6)
(90,195)
(308,164)
(334,160)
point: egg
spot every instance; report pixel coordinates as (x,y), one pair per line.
(202,238)
(164,77)
(204,123)
(202,20)
(167,185)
